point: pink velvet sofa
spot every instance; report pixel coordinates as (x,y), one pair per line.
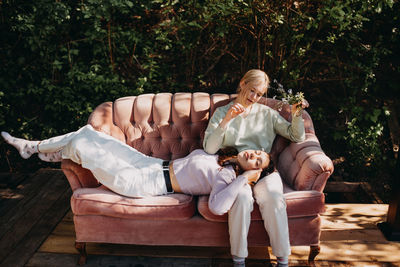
(169,126)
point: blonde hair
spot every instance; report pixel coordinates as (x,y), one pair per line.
(256,77)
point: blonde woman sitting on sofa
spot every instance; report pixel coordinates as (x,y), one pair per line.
(246,124)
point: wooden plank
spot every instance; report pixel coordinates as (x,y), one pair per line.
(355,251)
(29,191)
(64,228)
(52,259)
(366,187)
(69,217)
(363,235)
(12,180)
(64,244)
(29,214)
(14,188)
(31,242)
(353,216)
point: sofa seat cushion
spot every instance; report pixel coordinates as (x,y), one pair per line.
(299,204)
(102,201)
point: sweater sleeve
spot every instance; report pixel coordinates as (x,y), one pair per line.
(214,135)
(293,131)
(224,191)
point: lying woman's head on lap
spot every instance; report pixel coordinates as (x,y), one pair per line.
(244,160)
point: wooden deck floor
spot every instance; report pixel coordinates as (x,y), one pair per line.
(36,229)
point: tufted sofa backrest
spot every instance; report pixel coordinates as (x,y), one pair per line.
(167,125)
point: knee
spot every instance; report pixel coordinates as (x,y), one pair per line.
(75,143)
(74,146)
(275,200)
(244,199)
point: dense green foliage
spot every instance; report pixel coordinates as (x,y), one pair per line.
(60,59)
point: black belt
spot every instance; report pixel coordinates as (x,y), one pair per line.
(167,178)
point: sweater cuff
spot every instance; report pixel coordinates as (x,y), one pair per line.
(298,120)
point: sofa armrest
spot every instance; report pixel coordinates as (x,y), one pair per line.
(304,166)
(102,120)
(77,176)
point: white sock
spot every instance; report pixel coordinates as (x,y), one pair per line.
(51,157)
(25,147)
(238,261)
(283,261)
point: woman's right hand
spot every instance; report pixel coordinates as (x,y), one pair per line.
(252,175)
(235,110)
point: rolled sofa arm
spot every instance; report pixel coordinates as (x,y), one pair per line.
(77,176)
(304,166)
(102,120)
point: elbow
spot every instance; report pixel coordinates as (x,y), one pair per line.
(208,149)
(215,209)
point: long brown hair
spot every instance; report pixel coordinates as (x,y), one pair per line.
(227,156)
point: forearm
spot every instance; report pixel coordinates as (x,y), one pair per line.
(213,141)
(224,195)
(293,131)
(297,129)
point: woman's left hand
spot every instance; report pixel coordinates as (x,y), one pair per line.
(252,175)
(298,107)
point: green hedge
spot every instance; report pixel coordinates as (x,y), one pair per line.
(60,59)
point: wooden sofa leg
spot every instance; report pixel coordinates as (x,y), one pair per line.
(314,251)
(81,248)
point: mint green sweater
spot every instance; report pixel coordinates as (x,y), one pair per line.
(256,131)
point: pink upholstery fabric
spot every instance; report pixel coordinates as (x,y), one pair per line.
(300,165)
(101,201)
(77,176)
(164,125)
(193,232)
(170,126)
(299,204)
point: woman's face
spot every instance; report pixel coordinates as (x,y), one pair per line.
(250,93)
(253,159)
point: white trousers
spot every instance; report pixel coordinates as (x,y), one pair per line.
(116,165)
(268,193)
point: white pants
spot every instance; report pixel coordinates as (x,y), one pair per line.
(268,193)
(116,165)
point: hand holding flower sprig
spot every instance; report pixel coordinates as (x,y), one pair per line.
(297,101)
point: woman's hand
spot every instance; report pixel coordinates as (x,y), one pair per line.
(252,175)
(235,110)
(298,107)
